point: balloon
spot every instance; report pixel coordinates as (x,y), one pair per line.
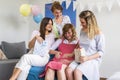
(38,18)
(35,10)
(25,9)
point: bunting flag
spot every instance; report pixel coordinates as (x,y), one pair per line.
(90,6)
(75,5)
(68,3)
(81,4)
(99,6)
(109,4)
(61,1)
(118,1)
(80,7)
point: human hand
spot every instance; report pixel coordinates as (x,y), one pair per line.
(83,59)
(39,39)
(57,55)
(67,55)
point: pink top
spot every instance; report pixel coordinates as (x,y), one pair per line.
(56,63)
(64,49)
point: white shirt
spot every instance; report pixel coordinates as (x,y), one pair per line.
(49,40)
(59,41)
(59,27)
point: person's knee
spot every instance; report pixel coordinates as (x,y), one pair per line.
(77,72)
(49,74)
(69,71)
(50,71)
(24,56)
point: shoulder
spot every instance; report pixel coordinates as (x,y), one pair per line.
(59,40)
(66,17)
(52,34)
(75,41)
(35,32)
(100,36)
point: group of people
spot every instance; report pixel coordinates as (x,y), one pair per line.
(91,39)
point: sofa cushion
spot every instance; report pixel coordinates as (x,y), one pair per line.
(13,50)
(0,47)
(35,72)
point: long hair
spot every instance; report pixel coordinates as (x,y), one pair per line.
(56,5)
(43,25)
(91,23)
(66,29)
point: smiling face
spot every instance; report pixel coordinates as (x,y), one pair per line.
(49,26)
(83,23)
(57,13)
(68,34)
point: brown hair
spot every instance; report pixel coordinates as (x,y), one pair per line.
(66,29)
(43,25)
(92,26)
(56,5)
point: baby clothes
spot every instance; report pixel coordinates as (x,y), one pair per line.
(40,48)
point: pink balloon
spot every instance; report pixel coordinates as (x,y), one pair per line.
(35,10)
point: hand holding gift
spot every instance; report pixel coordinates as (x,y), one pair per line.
(79,52)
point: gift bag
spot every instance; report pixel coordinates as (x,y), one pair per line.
(79,52)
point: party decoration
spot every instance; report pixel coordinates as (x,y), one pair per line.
(25,9)
(38,18)
(68,3)
(35,10)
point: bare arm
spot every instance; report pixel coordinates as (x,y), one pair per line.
(68,55)
(87,58)
(57,53)
(32,42)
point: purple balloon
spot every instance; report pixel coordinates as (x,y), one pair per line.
(35,10)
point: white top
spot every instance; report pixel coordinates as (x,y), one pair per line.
(96,45)
(41,48)
(90,68)
(59,41)
(59,27)
(45,45)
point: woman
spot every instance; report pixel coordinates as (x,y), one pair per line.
(44,34)
(59,19)
(92,40)
(64,55)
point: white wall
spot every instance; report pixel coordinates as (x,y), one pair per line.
(14,28)
(110,24)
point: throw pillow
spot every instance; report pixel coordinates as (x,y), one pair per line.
(2,55)
(14,50)
(0,47)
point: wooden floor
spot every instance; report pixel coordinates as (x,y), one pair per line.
(103,78)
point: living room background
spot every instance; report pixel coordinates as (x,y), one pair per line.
(15,28)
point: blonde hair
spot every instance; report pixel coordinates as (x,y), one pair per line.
(56,5)
(66,29)
(91,23)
